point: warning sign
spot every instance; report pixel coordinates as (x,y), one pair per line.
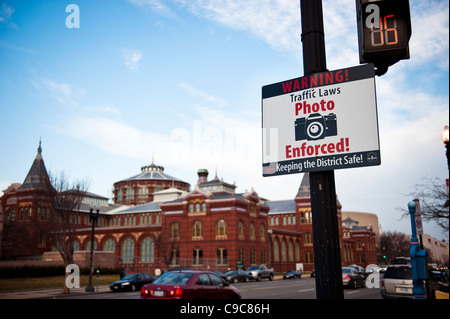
(323,121)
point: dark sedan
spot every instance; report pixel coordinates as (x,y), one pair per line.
(237,275)
(132,282)
(189,285)
(292,274)
(352,278)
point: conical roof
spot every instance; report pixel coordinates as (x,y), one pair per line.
(37,177)
(304,189)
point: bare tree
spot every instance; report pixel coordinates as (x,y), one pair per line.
(433,196)
(392,245)
(166,247)
(62,221)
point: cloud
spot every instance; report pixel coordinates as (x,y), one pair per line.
(430,33)
(194,92)
(6,16)
(65,93)
(5,12)
(155,5)
(132,58)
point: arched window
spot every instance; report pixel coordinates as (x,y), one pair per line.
(88,245)
(221,228)
(127,251)
(109,245)
(290,251)
(147,250)
(197,208)
(241,228)
(252,230)
(283,250)
(204,207)
(276,249)
(174,231)
(262,231)
(191,208)
(197,229)
(130,193)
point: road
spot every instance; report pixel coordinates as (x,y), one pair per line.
(278,289)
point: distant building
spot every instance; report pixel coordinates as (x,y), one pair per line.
(437,249)
(364,219)
(359,243)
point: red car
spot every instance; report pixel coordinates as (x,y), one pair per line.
(189,285)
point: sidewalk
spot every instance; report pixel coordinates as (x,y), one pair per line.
(49,292)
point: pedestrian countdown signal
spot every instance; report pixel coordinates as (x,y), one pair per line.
(384,30)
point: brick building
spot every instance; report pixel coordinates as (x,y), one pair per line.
(169,225)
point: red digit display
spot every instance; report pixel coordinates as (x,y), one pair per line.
(386,41)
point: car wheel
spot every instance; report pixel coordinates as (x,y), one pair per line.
(258,278)
(271,277)
(133,288)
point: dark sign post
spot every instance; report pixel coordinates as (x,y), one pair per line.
(327,257)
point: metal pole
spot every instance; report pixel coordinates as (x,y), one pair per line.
(418,258)
(93,218)
(327,257)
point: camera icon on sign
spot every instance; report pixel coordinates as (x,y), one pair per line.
(315,127)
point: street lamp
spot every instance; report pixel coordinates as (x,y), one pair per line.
(269,231)
(93,217)
(444,136)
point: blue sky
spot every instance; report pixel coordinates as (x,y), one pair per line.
(181,81)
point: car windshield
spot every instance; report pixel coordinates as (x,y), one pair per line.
(398,273)
(178,278)
(346,270)
(253,268)
(232,272)
(129,277)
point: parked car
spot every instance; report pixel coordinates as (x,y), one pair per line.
(221,275)
(260,272)
(438,281)
(132,282)
(352,278)
(237,275)
(292,274)
(383,268)
(401,261)
(397,282)
(359,269)
(189,285)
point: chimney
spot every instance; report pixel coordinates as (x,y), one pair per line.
(202,176)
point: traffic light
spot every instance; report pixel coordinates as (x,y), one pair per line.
(384,30)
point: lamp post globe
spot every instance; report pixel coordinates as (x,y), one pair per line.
(444,137)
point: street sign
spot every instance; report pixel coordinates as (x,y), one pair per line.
(418,218)
(320,122)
